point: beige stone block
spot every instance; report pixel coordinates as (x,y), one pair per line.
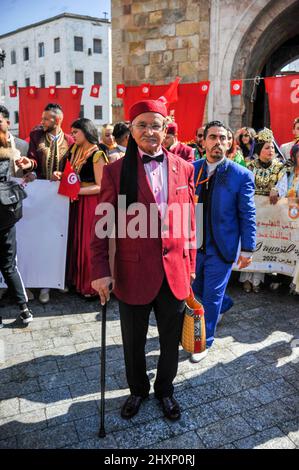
(116,9)
(190,41)
(193,54)
(140,72)
(125,21)
(171,16)
(151,33)
(152,45)
(136,48)
(181,55)
(142,59)
(204,46)
(140,20)
(129,75)
(155,17)
(167,57)
(174,43)
(131,35)
(187,68)
(186,28)
(203,75)
(164,72)
(147,6)
(167,30)
(156,57)
(147,71)
(136,7)
(203,62)
(204,30)
(115,24)
(177,4)
(193,12)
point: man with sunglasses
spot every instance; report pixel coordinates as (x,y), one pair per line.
(199,151)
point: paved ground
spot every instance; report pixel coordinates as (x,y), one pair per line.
(245,394)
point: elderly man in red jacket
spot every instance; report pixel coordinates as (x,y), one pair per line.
(172,143)
(151,270)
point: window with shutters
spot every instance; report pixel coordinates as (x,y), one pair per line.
(97,78)
(98,112)
(56,45)
(79,77)
(78,43)
(97,46)
(26,53)
(41,49)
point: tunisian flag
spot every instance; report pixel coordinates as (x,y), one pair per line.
(31,107)
(283,94)
(69,184)
(171,94)
(236,87)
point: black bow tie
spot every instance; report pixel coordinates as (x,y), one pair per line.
(148,158)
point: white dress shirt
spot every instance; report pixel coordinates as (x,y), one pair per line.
(159,173)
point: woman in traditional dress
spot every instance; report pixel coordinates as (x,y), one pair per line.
(87,160)
(268,171)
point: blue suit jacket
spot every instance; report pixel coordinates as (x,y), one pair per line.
(232,207)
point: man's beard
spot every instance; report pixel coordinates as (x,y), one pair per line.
(49,128)
(217,156)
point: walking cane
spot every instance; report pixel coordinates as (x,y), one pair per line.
(102,432)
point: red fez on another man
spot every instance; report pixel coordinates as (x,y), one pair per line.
(172,128)
(147,106)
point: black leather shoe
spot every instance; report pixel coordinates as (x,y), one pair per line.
(131,406)
(171,408)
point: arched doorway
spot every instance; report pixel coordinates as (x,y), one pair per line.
(284,55)
(263,51)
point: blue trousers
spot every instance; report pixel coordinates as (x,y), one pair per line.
(212,276)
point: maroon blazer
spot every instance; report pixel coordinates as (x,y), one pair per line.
(141,263)
(35,154)
(184,151)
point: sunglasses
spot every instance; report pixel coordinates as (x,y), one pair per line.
(199,135)
(245,135)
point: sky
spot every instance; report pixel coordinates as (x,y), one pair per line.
(18,13)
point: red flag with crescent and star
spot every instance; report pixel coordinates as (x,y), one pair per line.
(95,91)
(69,184)
(236,87)
(13,91)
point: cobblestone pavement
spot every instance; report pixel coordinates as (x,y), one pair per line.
(243,395)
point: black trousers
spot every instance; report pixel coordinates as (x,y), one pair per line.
(134,319)
(8,265)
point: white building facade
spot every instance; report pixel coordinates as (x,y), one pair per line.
(64,50)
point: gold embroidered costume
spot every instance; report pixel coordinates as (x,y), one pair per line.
(53,151)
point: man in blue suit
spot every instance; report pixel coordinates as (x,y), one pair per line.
(226,192)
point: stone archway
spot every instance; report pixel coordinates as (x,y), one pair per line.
(241,42)
(281,28)
(283,55)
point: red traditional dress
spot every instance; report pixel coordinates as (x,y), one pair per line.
(82,214)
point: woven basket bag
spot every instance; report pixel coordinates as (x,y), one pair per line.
(194,329)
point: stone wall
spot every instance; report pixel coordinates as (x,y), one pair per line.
(155,41)
(220,40)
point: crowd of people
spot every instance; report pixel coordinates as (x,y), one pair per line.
(275,169)
(220,168)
